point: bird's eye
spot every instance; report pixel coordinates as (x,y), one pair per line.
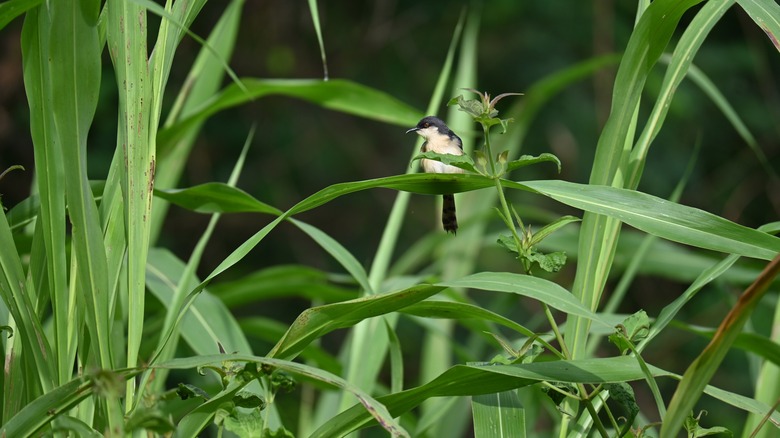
(425,125)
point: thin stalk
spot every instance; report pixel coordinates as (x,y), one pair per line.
(506,213)
(556,331)
(489,152)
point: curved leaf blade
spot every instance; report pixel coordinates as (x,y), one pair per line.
(663,218)
(216,198)
(317,321)
(766,14)
(533,287)
(336,94)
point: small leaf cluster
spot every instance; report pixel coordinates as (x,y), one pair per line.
(631,331)
(528,253)
(240,413)
(483,110)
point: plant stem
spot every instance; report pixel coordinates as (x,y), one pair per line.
(489,152)
(555,330)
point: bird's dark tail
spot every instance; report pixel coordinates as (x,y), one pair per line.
(448,218)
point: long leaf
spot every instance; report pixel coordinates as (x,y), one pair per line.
(680,63)
(16,298)
(663,218)
(766,14)
(13,8)
(49,176)
(317,321)
(599,234)
(209,323)
(533,287)
(338,95)
(129,55)
(202,82)
(74,48)
(707,363)
(463,380)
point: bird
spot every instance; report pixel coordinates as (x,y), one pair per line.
(439,138)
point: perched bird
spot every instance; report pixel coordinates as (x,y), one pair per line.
(440,139)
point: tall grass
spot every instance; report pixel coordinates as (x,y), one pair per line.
(95,313)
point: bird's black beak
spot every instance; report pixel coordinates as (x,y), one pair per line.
(412,130)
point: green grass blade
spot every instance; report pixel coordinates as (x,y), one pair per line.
(129,55)
(472,380)
(216,198)
(202,82)
(498,415)
(38,413)
(648,41)
(270,331)
(179,301)
(599,234)
(75,69)
(208,323)
(317,321)
(680,63)
(766,14)
(528,286)
(238,254)
(15,296)
(703,368)
(768,382)
(281,281)
(668,313)
(396,360)
(467,312)
(49,406)
(181,16)
(710,89)
(664,259)
(338,252)
(315,16)
(462,380)
(176,18)
(663,218)
(761,346)
(14,8)
(698,229)
(338,95)
(74,48)
(430,184)
(221,198)
(49,177)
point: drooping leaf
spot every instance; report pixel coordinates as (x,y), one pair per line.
(545,291)
(216,198)
(663,218)
(527,160)
(460,161)
(317,321)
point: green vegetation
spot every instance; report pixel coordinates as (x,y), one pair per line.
(525,320)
